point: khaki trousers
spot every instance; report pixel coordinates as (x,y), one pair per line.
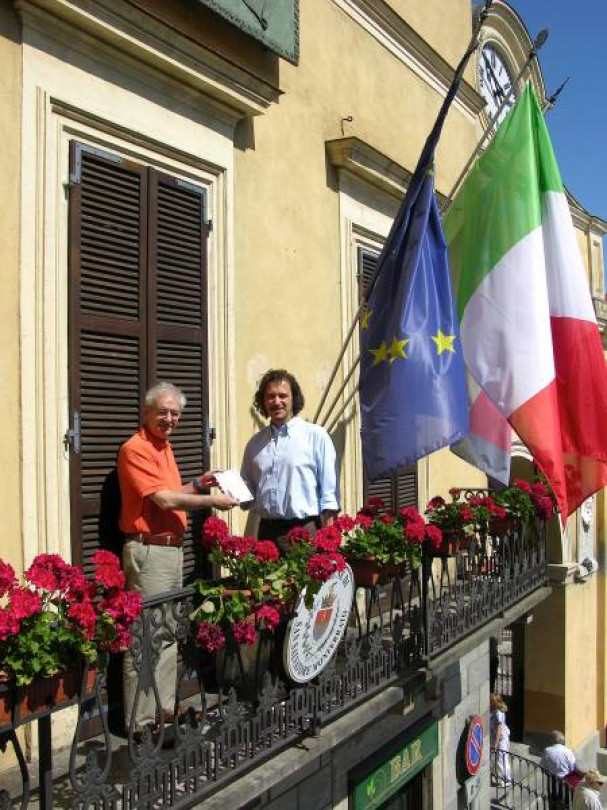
(152,570)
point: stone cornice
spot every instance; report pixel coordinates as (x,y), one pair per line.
(362,160)
(583,220)
(385,25)
(236,92)
(370,165)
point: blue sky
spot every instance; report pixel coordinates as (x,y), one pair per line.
(576,47)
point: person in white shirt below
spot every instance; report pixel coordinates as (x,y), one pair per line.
(586,795)
(290,466)
(560,761)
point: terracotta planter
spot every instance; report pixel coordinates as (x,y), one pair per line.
(507,525)
(21,704)
(454,542)
(369,571)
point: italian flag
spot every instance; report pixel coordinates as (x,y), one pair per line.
(528,328)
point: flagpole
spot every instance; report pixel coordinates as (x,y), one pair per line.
(549,104)
(536,46)
(342,388)
(469,51)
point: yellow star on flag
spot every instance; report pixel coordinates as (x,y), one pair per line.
(364,319)
(444,343)
(379,355)
(397,349)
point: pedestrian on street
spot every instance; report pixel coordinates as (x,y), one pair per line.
(500,740)
(586,795)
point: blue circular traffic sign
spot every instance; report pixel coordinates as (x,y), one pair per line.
(474,744)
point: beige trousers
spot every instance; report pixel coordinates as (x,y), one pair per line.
(152,570)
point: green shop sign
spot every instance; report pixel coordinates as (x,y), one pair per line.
(274,23)
(397,771)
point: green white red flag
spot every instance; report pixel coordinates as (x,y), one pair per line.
(528,327)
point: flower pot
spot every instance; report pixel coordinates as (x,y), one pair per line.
(454,542)
(367,571)
(19,704)
(507,525)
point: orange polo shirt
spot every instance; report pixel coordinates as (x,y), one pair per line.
(147,465)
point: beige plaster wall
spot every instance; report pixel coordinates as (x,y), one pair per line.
(445,26)
(287,238)
(10,116)
(545,665)
(562,664)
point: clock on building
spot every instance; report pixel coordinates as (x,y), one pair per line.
(495,80)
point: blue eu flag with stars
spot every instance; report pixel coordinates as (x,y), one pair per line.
(412,381)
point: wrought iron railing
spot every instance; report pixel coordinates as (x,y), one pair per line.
(489,574)
(235,717)
(518,783)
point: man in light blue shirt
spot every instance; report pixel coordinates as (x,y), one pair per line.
(290,466)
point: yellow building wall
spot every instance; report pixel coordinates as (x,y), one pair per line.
(288,296)
(564,662)
(10,138)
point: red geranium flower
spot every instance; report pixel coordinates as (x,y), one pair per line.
(298,535)
(244,633)
(408,513)
(322,566)
(268,617)
(237,546)
(327,539)
(84,614)
(415,531)
(434,535)
(47,572)
(109,576)
(344,523)
(8,580)
(364,521)
(522,484)
(213,531)
(435,503)
(266,551)
(24,603)
(210,637)
(9,624)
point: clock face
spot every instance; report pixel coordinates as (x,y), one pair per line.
(495,81)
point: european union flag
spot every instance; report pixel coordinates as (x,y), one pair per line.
(412,380)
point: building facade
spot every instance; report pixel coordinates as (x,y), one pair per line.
(196,191)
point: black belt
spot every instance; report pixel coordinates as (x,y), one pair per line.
(289,523)
(161,539)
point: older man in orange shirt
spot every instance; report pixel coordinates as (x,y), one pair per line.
(153,518)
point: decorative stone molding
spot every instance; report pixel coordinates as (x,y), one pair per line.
(369,164)
(236,92)
(391,31)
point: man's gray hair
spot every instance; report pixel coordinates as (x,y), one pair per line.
(156,391)
(557,737)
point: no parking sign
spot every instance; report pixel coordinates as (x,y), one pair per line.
(475,739)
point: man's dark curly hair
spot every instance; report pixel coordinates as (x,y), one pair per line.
(275,375)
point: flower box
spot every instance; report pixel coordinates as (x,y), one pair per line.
(454,542)
(21,704)
(369,571)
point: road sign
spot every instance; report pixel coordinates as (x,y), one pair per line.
(474,744)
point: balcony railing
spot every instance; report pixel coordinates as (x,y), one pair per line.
(231,727)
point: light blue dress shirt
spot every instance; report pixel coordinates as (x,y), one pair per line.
(292,470)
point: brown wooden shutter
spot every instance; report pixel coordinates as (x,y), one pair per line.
(178,239)
(107,330)
(137,315)
(399,489)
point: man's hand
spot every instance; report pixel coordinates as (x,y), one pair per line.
(223,502)
(208,479)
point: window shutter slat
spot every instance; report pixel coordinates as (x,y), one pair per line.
(107,326)
(178,259)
